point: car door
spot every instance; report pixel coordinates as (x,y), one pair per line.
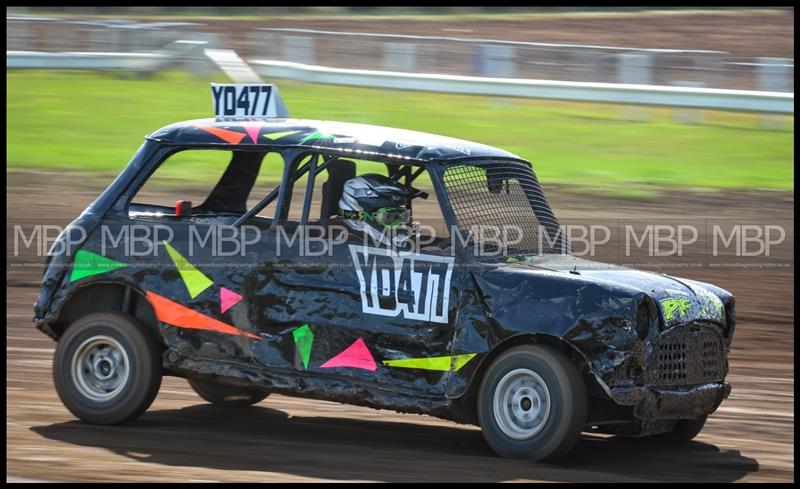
(359,312)
(336,307)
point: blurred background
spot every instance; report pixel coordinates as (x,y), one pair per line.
(627,114)
(123,72)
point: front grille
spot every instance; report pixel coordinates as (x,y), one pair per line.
(712,358)
(687,355)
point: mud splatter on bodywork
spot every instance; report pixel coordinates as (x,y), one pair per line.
(639,356)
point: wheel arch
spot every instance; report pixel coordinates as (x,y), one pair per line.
(107,296)
(465,404)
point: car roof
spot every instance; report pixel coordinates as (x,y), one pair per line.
(339,137)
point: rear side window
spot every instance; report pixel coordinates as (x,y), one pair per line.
(186,175)
(214,181)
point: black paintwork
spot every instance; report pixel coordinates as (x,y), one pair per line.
(609,318)
(356,140)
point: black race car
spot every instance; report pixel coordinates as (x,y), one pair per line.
(516,335)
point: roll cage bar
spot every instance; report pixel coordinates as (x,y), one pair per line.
(313,167)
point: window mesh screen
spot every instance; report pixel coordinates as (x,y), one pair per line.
(502,195)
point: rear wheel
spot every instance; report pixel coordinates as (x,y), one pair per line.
(532,403)
(227,395)
(107,368)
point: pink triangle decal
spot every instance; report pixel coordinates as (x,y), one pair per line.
(253,130)
(356,355)
(227,298)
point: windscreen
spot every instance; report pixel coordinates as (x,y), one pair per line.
(500,208)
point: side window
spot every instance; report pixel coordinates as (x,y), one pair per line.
(327,192)
(316,209)
(185,175)
(267,182)
(299,193)
(427,212)
(215,182)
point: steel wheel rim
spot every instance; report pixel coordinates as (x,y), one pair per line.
(521,404)
(100,368)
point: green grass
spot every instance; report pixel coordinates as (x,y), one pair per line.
(95,122)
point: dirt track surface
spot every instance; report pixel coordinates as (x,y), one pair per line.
(750,438)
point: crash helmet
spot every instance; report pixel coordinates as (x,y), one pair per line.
(377,200)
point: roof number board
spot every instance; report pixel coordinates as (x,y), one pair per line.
(237,100)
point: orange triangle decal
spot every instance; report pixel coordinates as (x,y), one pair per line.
(181,316)
(231,137)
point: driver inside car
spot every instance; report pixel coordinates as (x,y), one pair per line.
(378,208)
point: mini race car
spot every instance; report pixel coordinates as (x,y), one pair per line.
(518,336)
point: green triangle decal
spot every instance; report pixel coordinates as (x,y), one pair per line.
(193,278)
(88,263)
(316,135)
(303,338)
(279,135)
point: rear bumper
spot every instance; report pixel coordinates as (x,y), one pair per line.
(684,402)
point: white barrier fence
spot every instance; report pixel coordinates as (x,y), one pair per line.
(78,61)
(618,93)
(670,96)
(180,50)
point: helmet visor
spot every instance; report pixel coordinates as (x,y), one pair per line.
(392,217)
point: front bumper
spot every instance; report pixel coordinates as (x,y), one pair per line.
(680,402)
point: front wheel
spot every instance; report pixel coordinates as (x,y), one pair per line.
(532,403)
(107,368)
(227,395)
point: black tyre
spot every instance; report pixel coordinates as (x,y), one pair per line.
(532,404)
(684,430)
(227,395)
(107,368)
